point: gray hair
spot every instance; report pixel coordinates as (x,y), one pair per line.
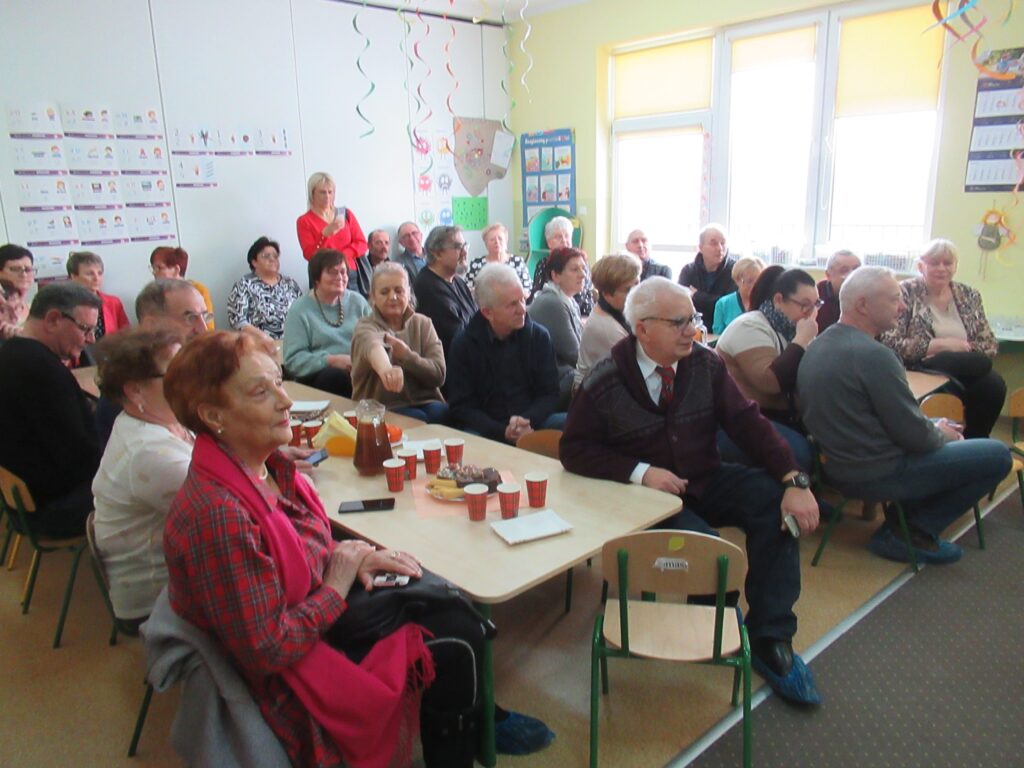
(387,268)
(152,299)
(557,224)
(318,178)
(938,248)
(708,228)
(64,297)
(489,282)
(491,227)
(831,263)
(864,281)
(643,299)
(438,240)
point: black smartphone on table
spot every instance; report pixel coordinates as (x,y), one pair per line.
(366,505)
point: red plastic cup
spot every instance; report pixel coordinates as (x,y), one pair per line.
(350,416)
(410,457)
(476,501)
(309,430)
(432,458)
(454,449)
(508,497)
(296,425)
(395,471)
(536,488)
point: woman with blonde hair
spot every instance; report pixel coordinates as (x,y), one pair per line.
(495,238)
(324,226)
(744,273)
(614,277)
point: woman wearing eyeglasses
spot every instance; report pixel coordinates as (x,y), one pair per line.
(318,330)
(17,266)
(263,297)
(762,349)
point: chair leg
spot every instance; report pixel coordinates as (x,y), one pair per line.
(75,560)
(568,590)
(106,599)
(13,554)
(7,544)
(828,533)
(1020,486)
(906,535)
(748,723)
(30,581)
(595,660)
(977,527)
(140,721)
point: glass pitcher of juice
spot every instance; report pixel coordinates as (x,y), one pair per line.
(373,447)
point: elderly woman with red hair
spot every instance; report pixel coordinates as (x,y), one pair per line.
(251,561)
(169,263)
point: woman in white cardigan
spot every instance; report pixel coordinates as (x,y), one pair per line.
(614,277)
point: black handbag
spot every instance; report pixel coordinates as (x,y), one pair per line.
(376,614)
(960,365)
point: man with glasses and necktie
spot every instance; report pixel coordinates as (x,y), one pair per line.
(650,414)
(50,438)
(441,292)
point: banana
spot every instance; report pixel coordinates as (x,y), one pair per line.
(440,482)
(445,489)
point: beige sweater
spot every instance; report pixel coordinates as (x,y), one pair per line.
(423,367)
(749,346)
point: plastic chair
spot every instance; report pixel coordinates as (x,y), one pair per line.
(946,406)
(680,563)
(100,571)
(1016,409)
(18,504)
(543,441)
(535,233)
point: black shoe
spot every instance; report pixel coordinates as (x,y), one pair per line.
(784,670)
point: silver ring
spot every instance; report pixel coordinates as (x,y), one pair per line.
(395,554)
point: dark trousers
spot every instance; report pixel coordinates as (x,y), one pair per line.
(750,500)
(333,380)
(64,517)
(983,389)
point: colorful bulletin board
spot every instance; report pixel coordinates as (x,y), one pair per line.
(549,171)
(996,136)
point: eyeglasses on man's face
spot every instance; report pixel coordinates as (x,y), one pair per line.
(88,330)
(457,246)
(191,317)
(681,323)
(19,270)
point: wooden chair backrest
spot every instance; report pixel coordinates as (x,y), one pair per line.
(543,441)
(943,406)
(15,492)
(1016,403)
(674,562)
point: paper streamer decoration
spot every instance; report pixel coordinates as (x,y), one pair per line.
(470,212)
(450,71)
(508,72)
(522,45)
(403,46)
(420,144)
(359,65)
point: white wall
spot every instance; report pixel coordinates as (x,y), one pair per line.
(247,63)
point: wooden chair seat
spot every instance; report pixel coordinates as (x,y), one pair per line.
(671,631)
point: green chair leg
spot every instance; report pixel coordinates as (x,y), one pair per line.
(905,530)
(7,544)
(598,668)
(977,527)
(106,600)
(748,723)
(568,590)
(75,560)
(30,582)
(828,533)
(140,721)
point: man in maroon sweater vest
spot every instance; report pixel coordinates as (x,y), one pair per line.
(650,413)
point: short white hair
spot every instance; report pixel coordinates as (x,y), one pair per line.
(864,281)
(712,227)
(643,300)
(387,267)
(831,263)
(489,282)
(557,224)
(938,248)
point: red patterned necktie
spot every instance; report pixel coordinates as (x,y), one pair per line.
(668,377)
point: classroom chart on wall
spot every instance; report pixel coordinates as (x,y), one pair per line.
(994,159)
(549,171)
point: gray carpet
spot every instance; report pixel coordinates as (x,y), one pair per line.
(932,677)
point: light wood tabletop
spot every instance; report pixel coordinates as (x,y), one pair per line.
(472,555)
(923,384)
(87,380)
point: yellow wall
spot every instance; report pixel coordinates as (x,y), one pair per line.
(568,85)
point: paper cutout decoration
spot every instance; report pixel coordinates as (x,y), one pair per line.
(470,212)
(475,141)
(994,236)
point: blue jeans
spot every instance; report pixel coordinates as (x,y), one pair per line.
(750,499)
(432,412)
(936,488)
(732,453)
(554,421)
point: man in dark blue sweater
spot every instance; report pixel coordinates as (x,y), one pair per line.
(502,378)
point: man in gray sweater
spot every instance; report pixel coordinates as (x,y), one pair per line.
(855,400)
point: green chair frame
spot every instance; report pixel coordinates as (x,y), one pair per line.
(99,570)
(18,505)
(702,568)
(140,721)
(1016,410)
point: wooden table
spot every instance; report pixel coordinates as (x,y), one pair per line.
(470,554)
(923,384)
(87,380)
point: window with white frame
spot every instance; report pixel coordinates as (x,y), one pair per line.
(818,131)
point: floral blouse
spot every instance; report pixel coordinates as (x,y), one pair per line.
(261,304)
(914,328)
(513,261)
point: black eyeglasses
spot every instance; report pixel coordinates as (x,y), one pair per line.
(807,306)
(459,246)
(681,323)
(86,329)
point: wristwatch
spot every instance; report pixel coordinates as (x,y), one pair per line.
(799,480)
